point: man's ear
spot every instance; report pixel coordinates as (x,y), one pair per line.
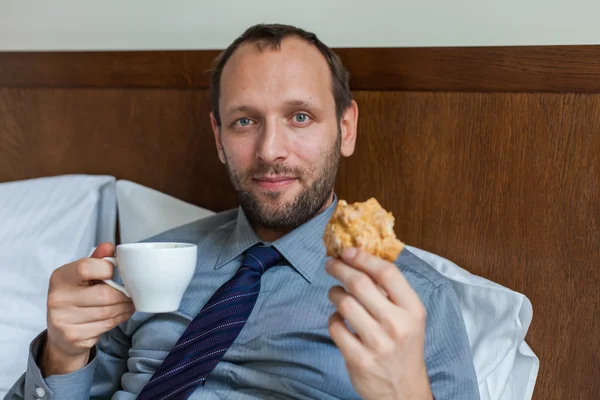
(348,125)
(217,132)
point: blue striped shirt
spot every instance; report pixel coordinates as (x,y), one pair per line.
(284,351)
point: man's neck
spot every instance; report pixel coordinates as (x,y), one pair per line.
(271,235)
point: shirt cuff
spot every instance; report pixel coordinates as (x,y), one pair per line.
(75,385)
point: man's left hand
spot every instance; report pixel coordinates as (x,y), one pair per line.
(384,356)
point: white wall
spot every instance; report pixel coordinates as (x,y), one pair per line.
(201,24)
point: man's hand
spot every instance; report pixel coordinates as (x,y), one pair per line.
(384,356)
(80,311)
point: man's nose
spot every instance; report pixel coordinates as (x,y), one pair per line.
(272,143)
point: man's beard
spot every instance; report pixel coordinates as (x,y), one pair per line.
(303,207)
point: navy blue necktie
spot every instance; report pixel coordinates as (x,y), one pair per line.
(212,332)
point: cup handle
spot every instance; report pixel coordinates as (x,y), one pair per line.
(112,283)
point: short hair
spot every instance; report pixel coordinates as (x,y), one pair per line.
(270,36)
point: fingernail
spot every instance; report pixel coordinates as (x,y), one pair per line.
(349,253)
(328,264)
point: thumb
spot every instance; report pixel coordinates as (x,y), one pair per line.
(105,249)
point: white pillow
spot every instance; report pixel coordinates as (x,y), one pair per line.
(46,222)
(145,212)
(497,320)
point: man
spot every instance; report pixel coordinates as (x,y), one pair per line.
(357,327)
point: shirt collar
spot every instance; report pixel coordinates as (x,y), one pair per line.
(241,239)
(303,247)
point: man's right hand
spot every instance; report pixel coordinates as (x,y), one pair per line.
(80,310)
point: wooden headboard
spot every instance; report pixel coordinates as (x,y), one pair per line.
(487,156)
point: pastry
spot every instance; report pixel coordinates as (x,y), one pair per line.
(364,225)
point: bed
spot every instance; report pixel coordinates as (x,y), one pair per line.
(489,157)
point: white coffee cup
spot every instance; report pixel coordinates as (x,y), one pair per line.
(155,275)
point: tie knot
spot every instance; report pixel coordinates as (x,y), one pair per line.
(261,258)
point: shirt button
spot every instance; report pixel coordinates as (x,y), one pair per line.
(40,392)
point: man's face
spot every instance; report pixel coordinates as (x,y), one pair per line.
(279,137)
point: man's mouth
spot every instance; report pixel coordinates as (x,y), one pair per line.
(274,181)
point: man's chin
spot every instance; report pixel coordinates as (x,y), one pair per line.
(274,206)
(280,196)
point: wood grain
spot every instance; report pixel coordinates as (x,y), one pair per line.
(118,69)
(487,69)
(158,138)
(476,69)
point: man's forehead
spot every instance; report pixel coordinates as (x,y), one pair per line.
(297,70)
(295,56)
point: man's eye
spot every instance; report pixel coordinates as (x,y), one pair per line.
(244,122)
(301,118)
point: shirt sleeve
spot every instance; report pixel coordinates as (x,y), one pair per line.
(100,378)
(448,355)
